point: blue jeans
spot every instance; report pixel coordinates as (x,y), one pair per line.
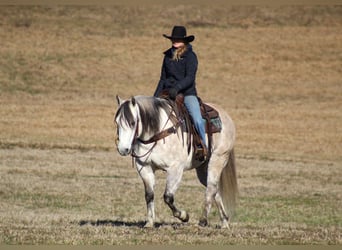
(193,107)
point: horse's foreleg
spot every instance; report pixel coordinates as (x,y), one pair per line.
(180,214)
(147,175)
(173,180)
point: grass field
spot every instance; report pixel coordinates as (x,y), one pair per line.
(276,70)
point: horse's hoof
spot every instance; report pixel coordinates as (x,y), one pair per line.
(149,224)
(225,225)
(184,217)
(203,223)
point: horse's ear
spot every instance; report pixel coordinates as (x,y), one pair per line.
(119,100)
(133,101)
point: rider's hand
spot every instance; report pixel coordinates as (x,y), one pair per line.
(173,93)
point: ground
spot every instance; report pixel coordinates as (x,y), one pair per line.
(276,70)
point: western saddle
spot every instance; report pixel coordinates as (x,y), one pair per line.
(209,114)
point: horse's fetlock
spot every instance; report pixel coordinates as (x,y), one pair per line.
(177,214)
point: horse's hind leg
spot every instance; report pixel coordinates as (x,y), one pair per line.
(209,196)
(172,183)
(223,215)
(148,177)
(212,191)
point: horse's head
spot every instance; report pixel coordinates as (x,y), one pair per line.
(127,121)
(138,119)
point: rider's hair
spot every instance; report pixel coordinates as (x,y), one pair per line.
(177,54)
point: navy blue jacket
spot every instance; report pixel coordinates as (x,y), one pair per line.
(179,74)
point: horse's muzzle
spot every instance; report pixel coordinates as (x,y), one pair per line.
(124,151)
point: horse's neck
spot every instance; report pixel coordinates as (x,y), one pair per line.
(165,122)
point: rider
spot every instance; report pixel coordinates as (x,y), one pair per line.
(178,75)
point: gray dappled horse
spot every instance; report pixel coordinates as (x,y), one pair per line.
(140,119)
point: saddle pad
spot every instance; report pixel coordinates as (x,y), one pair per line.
(212,115)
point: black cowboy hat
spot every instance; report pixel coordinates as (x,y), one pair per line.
(179,32)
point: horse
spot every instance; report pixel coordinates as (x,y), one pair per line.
(146,131)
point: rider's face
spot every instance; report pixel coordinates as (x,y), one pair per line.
(177,43)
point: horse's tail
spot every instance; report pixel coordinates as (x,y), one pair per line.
(228,186)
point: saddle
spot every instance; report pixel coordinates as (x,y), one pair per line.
(209,114)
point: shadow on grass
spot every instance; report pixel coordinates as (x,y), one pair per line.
(120,223)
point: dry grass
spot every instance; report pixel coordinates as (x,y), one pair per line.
(276,70)
(72,197)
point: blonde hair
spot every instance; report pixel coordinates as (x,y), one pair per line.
(177,54)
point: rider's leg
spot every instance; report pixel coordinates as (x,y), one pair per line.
(192,105)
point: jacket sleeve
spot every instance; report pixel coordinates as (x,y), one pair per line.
(190,73)
(161,83)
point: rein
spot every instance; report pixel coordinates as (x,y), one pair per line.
(162,134)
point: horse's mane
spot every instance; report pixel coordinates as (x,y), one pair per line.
(150,112)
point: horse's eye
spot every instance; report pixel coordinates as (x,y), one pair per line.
(132,124)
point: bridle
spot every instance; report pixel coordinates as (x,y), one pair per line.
(156,137)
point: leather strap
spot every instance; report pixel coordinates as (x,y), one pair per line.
(162,134)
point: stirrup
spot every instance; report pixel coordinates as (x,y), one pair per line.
(201,153)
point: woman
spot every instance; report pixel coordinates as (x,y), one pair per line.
(178,75)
